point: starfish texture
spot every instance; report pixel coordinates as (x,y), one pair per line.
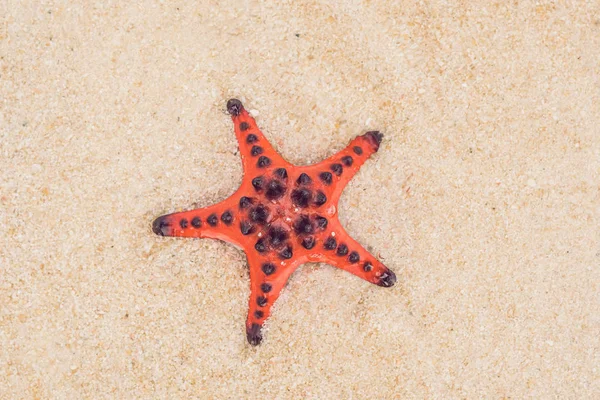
(282,215)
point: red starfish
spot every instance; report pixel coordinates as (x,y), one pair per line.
(282,215)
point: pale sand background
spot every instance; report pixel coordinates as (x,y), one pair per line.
(484,198)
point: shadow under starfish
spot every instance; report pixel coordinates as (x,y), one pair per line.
(282,215)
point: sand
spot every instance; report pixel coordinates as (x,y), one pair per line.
(484,198)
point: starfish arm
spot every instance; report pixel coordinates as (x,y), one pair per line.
(256,151)
(267,278)
(219,221)
(342,166)
(342,251)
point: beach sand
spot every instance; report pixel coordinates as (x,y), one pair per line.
(484,198)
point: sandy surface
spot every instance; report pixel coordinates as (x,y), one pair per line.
(484,198)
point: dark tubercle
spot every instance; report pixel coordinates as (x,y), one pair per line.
(261,301)
(234,107)
(375,138)
(301,197)
(326,177)
(251,138)
(259,214)
(358,150)
(253,334)
(246,227)
(281,172)
(321,222)
(347,161)
(268,268)
(261,245)
(354,257)
(308,242)
(337,168)
(367,267)
(387,279)
(259,314)
(302,225)
(330,243)
(320,198)
(263,162)
(212,220)
(227,217)
(303,179)
(183,223)
(277,236)
(160,226)
(196,222)
(245,202)
(266,287)
(244,126)
(275,190)
(342,250)
(286,253)
(256,150)
(258,183)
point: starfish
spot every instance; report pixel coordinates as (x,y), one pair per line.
(282,216)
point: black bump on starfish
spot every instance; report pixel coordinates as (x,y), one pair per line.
(303,179)
(286,253)
(258,183)
(234,107)
(261,301)
(245,202)
(227,218)
(320,198)
(301,197)
(387,279)
(268,268)
(281,172)
(330,243)
(251,138)
(308,242)
(212,220)
(321,222)
(277,236)
(246,228)
(266,287)
(275,190)
(196,222)
(256,150)
(326,177)
(261,245)
(263,162)
(342,250)
(375,137)
(259,214)
(303,225)
(160,226)
(254,335)
(337,168)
